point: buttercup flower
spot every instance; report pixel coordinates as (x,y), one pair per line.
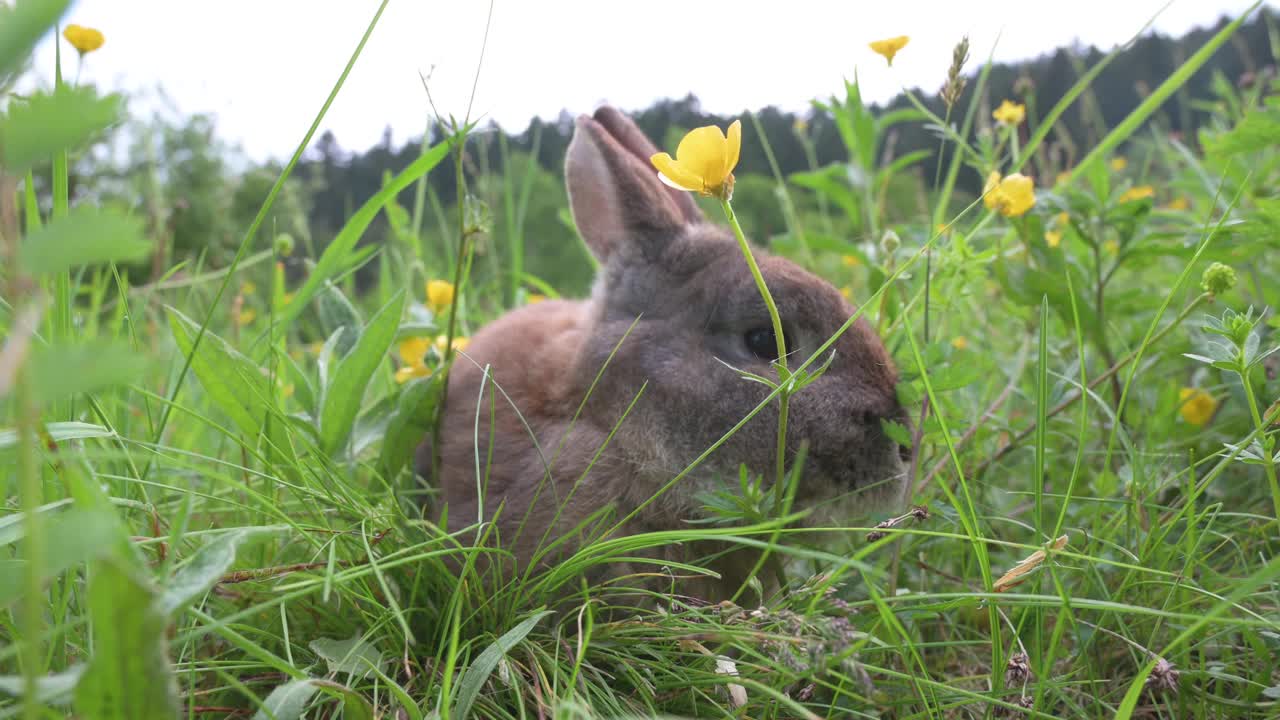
(84,40)
(850,260)
(1053,238)
(1063,217)
(1137,193)
(1012,196)
(439,295)
(246,316)
(704,161)
(1010,113)
(459,343)
(413,353)
(890,47)
(846,292)
(1197,406)
(960,342)
(1178,203)
(1119,163)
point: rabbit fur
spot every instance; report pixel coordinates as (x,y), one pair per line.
(675,299)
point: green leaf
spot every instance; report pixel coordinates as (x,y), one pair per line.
(129,676)
(60,432)
(354,656)
(205,568)
(71,538)
(289,701)
(410,423)
(60,371)
(87,235)
(22,26)
(1255,132)
(234,383)
(487,661)
(50,689)
(335,257)
(53,122)
(346,387)
(897,432)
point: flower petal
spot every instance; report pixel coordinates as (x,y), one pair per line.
(733,146)
(701,153)
(675,175)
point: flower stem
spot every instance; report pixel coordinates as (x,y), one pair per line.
(778,336)
(1267,452)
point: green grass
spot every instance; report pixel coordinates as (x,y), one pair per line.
(209,514)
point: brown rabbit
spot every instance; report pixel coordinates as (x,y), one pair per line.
(675,299)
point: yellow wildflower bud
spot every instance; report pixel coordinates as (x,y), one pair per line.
(1178,203)
(85,40)
(890,47)
(1063,217)
(1053,238)
(1111,247)
(960,342)
(439,295)
(850,260)
(704,161)
(846,292)
(246,316)
(1137,193)
(1197,406)
(409,372)
(1010,113)
(413,351)
(1119,163)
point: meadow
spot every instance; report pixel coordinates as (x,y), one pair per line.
(209,507)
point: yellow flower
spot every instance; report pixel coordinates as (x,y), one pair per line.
(246,316)
(535,298)
(704,161)
(1063,217)
(1111,246)
(1053,238)
(1179,203)
(459,343)
(1010,113)
(413,353)
(84,40)
(1137,193)
(248,288)
(439,295)
(890,47)
(1119,163)
(850,260)
(846,292)
(960,342)
(1197,406)
(1011,196)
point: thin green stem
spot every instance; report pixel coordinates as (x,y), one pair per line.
(778,335)
(1268,466)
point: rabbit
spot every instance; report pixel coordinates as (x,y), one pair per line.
(675,298)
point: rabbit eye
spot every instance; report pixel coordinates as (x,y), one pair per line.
(762,343)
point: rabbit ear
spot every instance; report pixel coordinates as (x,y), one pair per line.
(614,192)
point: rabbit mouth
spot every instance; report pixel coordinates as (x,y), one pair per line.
(838,501)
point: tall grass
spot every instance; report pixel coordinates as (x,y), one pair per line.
(211,514)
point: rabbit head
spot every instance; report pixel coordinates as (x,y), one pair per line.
(677,300)
(653,352)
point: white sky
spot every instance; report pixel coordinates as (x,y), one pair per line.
(264,67)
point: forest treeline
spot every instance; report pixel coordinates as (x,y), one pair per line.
(179,172)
